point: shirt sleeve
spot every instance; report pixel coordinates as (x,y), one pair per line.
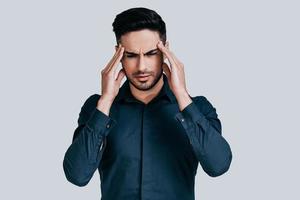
(203,128)
(83,156)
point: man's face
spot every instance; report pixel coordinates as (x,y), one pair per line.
(142,57)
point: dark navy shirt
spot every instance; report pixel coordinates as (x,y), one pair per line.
(146,151)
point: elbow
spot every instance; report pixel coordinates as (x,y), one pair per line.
(76,181)
(72,176)
(221,168)
(219,171)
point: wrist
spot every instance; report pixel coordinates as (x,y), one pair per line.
(107,99)
(104,105)
(183,100)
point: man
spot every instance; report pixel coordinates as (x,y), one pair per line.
(147,137)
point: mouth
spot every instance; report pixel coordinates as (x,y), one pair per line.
(142,77)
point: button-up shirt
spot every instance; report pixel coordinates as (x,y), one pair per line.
(146,151)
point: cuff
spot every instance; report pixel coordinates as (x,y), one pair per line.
(191,111)
(100,123)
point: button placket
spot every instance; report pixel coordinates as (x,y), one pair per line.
(108,125)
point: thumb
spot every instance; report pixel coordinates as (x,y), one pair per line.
(120,76)
(166,69)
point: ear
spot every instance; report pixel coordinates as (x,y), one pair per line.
(167,44)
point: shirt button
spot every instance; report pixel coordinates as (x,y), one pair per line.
(108,125)
(182,120)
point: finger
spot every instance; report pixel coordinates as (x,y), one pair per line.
(177,61)
(114,66)
(167,53)
(116,61)
(112,59)
(120,76)
(166,69)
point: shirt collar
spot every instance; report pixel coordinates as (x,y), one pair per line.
(126,95)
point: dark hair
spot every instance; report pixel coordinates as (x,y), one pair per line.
(138,18)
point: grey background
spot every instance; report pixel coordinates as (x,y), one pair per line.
(242,55)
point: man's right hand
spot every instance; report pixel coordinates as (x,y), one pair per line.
(110,85)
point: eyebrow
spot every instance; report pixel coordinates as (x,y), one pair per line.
(133,53)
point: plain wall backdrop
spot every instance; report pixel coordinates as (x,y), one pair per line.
(242,55)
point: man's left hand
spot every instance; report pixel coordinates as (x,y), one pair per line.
(176,77)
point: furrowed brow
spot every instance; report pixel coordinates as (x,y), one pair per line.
(133,53)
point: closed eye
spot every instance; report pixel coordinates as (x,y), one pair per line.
(151,54)
(135,55)
(130,56)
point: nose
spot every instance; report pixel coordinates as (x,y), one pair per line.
(141,63)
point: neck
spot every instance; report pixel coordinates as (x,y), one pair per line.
(147,96)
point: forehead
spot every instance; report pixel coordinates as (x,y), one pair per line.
(140,41)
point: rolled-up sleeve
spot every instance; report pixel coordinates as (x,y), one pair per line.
(83,156)
(203,128)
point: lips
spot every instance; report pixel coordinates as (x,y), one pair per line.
(142,76)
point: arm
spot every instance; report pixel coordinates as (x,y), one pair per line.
(83,156)
(204,132)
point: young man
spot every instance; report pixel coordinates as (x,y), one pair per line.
(147,137)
